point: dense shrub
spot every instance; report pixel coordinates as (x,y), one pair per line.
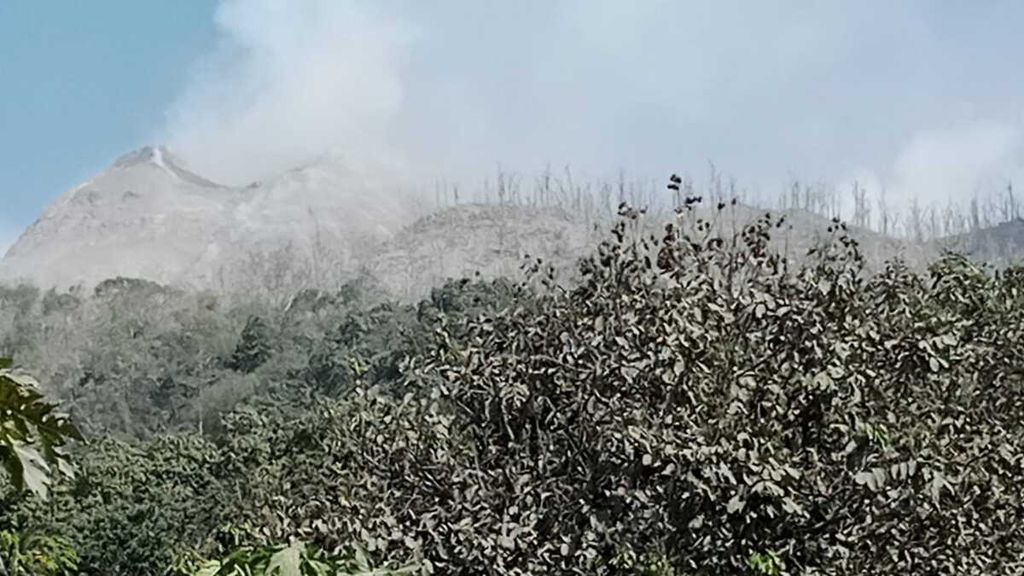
(132,509)
(695,405)
(694,402)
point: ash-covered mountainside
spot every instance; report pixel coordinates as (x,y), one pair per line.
(147,216)
(999,245)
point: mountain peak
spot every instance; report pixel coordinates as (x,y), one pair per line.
(144,155)
(160,157)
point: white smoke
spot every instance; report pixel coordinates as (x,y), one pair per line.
(974,159)
(288,82)
(767,91)
(951,164)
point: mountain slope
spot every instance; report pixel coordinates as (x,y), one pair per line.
(1000,245)
(462,241)
(144,216)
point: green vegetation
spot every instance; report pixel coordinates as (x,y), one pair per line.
(32,440)
(36,555)
(693,404)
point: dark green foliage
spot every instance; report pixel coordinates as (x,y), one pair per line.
(33,442)
(372,344)
(131,509)
(33,439)
(131,287)
(135,359)
(18,309)
(466,298)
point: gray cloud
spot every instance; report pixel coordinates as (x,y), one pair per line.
(913,96)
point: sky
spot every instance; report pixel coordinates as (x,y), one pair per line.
(922,99)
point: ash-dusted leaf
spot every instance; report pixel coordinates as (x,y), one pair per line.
(939,483)
(865,479)
(210,568)
(32,432)
(34,469)
(286,562)
(735,504)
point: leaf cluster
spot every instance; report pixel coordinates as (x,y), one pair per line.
(33,434)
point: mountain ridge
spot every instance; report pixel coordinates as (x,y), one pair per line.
(148,216)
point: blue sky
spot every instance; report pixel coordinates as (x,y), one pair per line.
(83,82)
(924,99)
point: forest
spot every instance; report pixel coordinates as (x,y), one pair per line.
(692,402)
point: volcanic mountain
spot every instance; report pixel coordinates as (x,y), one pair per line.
(149,217)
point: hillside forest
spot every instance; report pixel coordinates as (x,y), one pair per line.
(692,402)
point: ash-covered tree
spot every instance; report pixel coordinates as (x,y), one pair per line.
(253,348)
(695,405)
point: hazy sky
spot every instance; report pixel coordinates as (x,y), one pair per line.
(924,98)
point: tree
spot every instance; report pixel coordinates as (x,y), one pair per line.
(254,347)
